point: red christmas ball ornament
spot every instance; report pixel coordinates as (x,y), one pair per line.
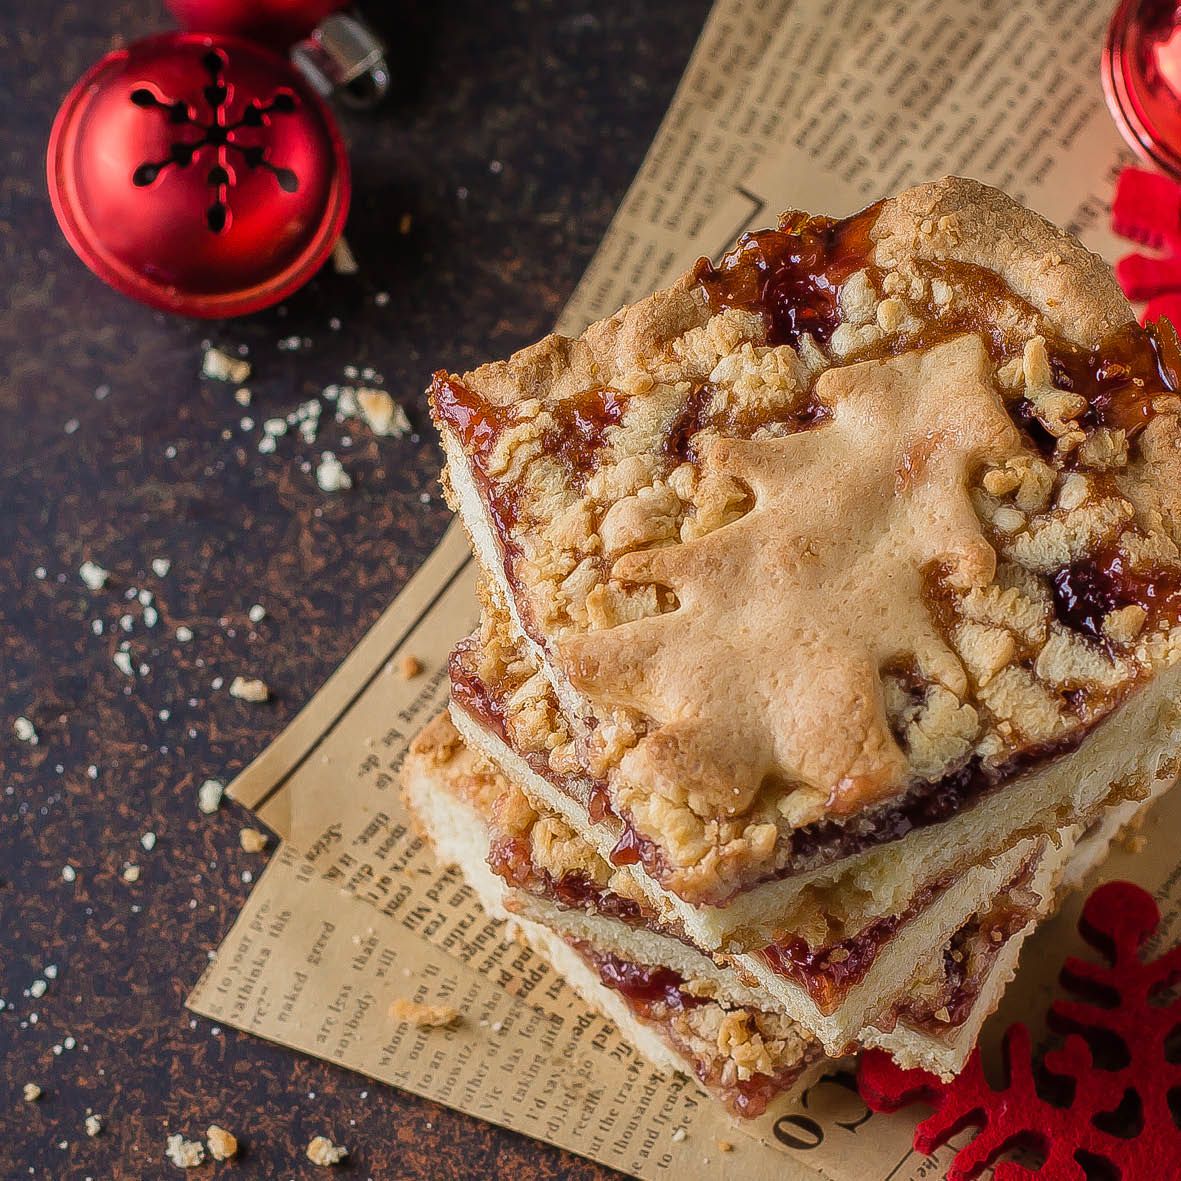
(198,173)
(279,23)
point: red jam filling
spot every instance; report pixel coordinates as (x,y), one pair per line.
(577,436)
(650,992)
(642,985)
(1089,590)
(828,973)
(792,275)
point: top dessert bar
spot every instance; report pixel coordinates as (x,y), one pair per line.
(834,540)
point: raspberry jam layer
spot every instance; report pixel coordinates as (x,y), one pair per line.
(828,973)
(656,996)
(791,275)
(1087,591)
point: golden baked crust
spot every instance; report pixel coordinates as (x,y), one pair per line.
(796,561)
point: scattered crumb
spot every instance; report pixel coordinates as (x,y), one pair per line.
(93,1125)
(249,689)
(184,634)
(242,396)
(185,1154)
(222,1144)
(409,666)
(161,566)
(404,224)
(123,663)
(330,475)
(381,413)
(679,1135)
(32,1092)
(209,795)
(257,613)
(725,1146)
(148,840)
(252,841)
(93,575)
(423,1016)
(321,1151)
(37,988)
(25,730)
(69,873)
(131,873)
(343,262)
(222,367)
(943,1015)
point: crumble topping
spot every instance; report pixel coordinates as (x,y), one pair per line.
(321,1151)
(223,1145)
(870,503)
(423,1016)
(252,840)
(249,689)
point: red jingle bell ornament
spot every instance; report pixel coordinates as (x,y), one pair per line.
(278,23)
(199,173)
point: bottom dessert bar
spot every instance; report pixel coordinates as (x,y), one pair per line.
(743,1055)
(667,996)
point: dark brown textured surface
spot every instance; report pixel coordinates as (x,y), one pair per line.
(513,133)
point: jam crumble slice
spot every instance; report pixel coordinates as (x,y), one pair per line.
(929,436)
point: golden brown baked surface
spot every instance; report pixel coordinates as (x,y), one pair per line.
(873,511)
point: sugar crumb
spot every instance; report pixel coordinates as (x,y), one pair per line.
(221,366)
(330,474)
(209,795)
(249,689)
(409,666)
(93,575)
(25,730)
(93,1125)
(185,1154)
(32,1092)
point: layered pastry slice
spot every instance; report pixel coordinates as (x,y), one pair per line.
(833,977)
(689,1016)
(852,561)
(579,911)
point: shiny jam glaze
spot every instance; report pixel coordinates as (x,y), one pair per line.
(578,434)
(792,275)
(1088,590)
(1121,380)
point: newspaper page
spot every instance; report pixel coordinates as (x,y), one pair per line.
(778,107)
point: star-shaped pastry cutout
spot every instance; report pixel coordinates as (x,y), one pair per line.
(769,669)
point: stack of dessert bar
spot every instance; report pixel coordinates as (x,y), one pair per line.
(830,628)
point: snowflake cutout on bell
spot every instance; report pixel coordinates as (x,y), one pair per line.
(198,173)
(1105,1104)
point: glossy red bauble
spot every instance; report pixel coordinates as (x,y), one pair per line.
(198,173)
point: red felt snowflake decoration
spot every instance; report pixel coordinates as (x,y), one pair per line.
(1101,1106)
(1146,208)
